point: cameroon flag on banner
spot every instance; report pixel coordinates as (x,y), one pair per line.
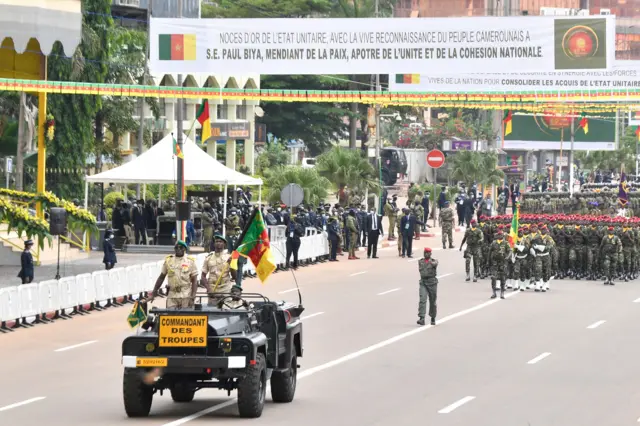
(584,123)
(507,122)
(204,120)
(177,47)
(255,245)
(407,78)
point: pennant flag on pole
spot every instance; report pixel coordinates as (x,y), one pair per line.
(515,223)
(176,149)
(254,244)
(204,120)
(584,123)
(138,314)
(507,122)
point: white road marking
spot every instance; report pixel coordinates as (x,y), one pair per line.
(288,291)
(311,316)
(597,324)
(349,357)
(539,358)
(388,291)
(19,404)
(637,300)
(450,408)
(358,273)
(444,275)
(75,346)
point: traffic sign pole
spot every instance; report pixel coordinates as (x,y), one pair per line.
(435,160)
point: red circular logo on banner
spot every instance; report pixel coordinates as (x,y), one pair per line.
(435,158)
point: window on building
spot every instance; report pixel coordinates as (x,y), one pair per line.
(162,105)
(222,112)
(241,112)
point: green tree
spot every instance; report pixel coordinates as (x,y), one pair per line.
(347,168)
(315,187)
(126,66)
(274,155)
(75,132)
(317,124)
(608,160)
(478,167)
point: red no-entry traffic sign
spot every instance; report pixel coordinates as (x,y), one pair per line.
(435,158)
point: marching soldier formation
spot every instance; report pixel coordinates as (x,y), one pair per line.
(552,246)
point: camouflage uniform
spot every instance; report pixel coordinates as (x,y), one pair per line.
(628,252)
(207,228)
(397,221)
(447,222)
(352,228)
(391,215)
(593,252)
(610,248)
(520,262)
(428,288)
(474,238)
(179,271)
(499,252)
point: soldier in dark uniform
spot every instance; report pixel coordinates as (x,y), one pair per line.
(109,259)
(428,269)
(26,261)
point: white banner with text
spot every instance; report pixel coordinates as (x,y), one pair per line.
(381,45)
(623,75)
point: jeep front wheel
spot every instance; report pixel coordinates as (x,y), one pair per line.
(252,389)
(137,395)
(182,392)
(283,383)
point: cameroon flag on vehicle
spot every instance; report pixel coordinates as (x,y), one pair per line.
(254,244)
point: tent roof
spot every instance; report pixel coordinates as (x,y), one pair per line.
(47,21)
(159,165)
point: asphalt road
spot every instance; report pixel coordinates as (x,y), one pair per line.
(528,360)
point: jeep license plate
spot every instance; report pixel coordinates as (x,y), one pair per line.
(183,331)
(151,362)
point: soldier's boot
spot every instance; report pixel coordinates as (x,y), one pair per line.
(468,277)
(545,286)
(475,276)
(493,288)
(444,246)
(509,286)
(451,246)
(420,321)
(536,286)
(530,285)
(433,320)
(502,292)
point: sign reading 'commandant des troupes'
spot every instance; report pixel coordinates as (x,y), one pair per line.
(382,45)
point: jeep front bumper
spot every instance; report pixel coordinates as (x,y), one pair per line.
(181,362)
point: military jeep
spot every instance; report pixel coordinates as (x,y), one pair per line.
(225,347)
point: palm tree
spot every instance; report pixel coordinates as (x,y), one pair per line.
(347,168)
(315,187)
(478,167)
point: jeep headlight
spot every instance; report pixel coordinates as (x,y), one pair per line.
(225,344)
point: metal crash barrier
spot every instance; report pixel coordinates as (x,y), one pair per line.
(40,303)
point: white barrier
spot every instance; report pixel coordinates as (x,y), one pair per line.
(100,289)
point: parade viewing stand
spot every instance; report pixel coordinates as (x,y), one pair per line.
(37,303)
(158,166)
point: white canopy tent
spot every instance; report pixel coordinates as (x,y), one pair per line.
(159,165)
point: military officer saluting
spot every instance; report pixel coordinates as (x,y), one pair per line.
(182,275)
(428,269)
(216,266)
